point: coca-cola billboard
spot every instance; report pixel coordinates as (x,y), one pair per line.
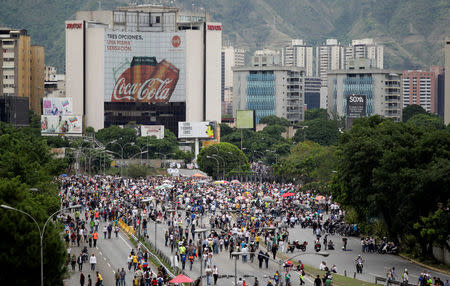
(144,67)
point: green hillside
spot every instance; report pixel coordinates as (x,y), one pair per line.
(411,30)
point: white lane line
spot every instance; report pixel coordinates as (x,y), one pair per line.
(129,246)
(109,264)
(104,258)
(100,253)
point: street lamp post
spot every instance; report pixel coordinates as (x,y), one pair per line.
(201,230)
(211,157)
(223,160)
(236,254)
(41,232)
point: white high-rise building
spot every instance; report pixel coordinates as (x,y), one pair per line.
(329,57)
(365,49)
(231,57)
(298,54)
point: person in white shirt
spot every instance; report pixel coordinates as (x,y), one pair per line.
(93,261)
(215,274)
(323,265)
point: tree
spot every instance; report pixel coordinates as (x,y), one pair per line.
(25,162)
(225,129)
(388,170)
(308,162)
(234,159)
(426,121)
(316,113)
(411,110)
(322,131)
(274,120)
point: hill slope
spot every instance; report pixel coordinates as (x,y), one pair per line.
(412,31)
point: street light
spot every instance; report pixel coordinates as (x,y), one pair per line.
(41,232)
(211,157)
(236,254)
(223,160)
(201,230)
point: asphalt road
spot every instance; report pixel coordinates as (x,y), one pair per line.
(112,255)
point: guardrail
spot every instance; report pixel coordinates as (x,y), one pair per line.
(130,231)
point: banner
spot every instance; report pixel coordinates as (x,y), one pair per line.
(61,125)
(356,108)
(245,119)
(57,106)
(205,130)
(144,67)
(153,130)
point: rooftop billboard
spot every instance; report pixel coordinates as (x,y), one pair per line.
(144,67)
(201,130)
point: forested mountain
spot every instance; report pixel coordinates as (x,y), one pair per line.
(411,30)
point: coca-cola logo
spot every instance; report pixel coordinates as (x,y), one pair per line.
(176,41)
(146,83)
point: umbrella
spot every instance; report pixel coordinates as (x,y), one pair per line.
(220,182)
(181,279)
(64,175)
(318,198)
(285,195)
(235,182)
(198,175)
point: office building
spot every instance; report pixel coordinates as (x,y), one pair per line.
(298,54)
(21,67)
(447,81)
(269,90)
(312,92)
(152,65)
(440,88)
(14,110)
(329,57)
(380,90)
(365,49)
(419,87)
(231,57)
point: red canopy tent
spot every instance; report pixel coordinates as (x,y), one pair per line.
(285,195)
(181,279)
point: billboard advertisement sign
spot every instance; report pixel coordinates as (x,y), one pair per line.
(61,125)
(204,130)
(153,130)
(356,108)
(144,67)
(57,106)
(245,119)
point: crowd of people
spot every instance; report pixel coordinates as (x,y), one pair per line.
(252,219)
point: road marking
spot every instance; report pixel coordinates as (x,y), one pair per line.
(100,253)
(109,264)
(125,242)
(104,258)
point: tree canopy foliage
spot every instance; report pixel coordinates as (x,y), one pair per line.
(223,158)
(411,110)
(26,172)
(319,127)
(394,172)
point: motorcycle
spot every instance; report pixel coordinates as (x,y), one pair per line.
(359,267)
